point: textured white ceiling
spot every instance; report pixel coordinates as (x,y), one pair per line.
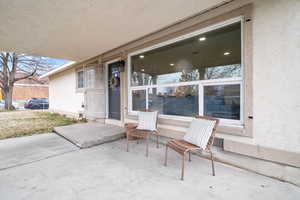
(79,29)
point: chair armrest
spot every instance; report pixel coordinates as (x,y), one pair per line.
(131,125)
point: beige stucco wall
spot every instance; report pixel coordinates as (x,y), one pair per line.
(62,93)
(276,70)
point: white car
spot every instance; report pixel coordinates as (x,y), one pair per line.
(1,105)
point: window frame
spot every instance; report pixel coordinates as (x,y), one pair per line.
(85,69)
(77,79)
(201,83)
(93,82)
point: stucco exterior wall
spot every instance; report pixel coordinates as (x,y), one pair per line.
(276,84)
(62,93)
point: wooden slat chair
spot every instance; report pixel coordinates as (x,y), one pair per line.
(183,147)
(132,133)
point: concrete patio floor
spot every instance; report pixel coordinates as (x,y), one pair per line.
(109,172)
(23,150)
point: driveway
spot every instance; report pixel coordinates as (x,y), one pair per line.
(24,150)
(109,172)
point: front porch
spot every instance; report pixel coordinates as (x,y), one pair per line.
(109,172)
(89,134)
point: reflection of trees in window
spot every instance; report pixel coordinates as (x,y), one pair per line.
(189,76)
(226,71)
(184,91)
(139,78)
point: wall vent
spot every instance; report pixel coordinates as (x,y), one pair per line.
(219,142)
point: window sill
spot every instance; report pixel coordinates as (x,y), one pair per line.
(83,90)
(180,123)
(223,122)
(80,90)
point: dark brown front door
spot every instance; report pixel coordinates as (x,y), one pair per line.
(114,90)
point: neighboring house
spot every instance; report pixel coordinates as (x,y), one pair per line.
(237,62)
(32,87)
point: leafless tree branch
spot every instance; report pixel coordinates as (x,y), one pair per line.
(11,64)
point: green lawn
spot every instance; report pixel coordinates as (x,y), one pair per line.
(27,122)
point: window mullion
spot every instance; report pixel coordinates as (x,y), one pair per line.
(201,99)
(147,96)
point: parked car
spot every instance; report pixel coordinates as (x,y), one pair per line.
(37,103)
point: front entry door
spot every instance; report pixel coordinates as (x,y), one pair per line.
(114,111)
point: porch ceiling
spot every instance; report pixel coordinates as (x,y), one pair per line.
(77,30)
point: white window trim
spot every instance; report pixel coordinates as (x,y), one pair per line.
(201,83)
(84,69)
(77,71)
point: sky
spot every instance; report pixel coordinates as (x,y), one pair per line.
(57,62)
(53,62)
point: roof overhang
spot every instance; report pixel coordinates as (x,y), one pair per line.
(77,30)
(59,69)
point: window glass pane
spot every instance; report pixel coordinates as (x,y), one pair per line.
(182,100)
(212,55)
(222,101)
(90,76)
(80,79)
(138,100)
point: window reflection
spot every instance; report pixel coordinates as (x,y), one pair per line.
(182,100)
(222,101)
(211,56)
(138,100)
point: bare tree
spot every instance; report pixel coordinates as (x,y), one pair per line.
(226,71)
(11,64)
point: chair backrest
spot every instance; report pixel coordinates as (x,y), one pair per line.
(148,110)
(211,139)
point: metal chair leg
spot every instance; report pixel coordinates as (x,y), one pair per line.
(157,141)
(212,163)
(182,169)
(166,155)
(190,156)
(127,148)
(147,146)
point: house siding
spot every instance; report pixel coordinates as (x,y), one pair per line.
(276,85)
(63,96)
(27,92)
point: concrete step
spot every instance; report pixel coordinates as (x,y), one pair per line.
(85,135)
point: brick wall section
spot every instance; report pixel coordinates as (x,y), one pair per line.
(31,80)
(27,92)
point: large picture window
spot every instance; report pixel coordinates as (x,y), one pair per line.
(197,75)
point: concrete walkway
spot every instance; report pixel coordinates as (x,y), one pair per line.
(86,135)
(108,172)
(23,150)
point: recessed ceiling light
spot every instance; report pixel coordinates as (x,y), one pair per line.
(202,39)
(172,64)
(142,70)
(142,56)
(226,53)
